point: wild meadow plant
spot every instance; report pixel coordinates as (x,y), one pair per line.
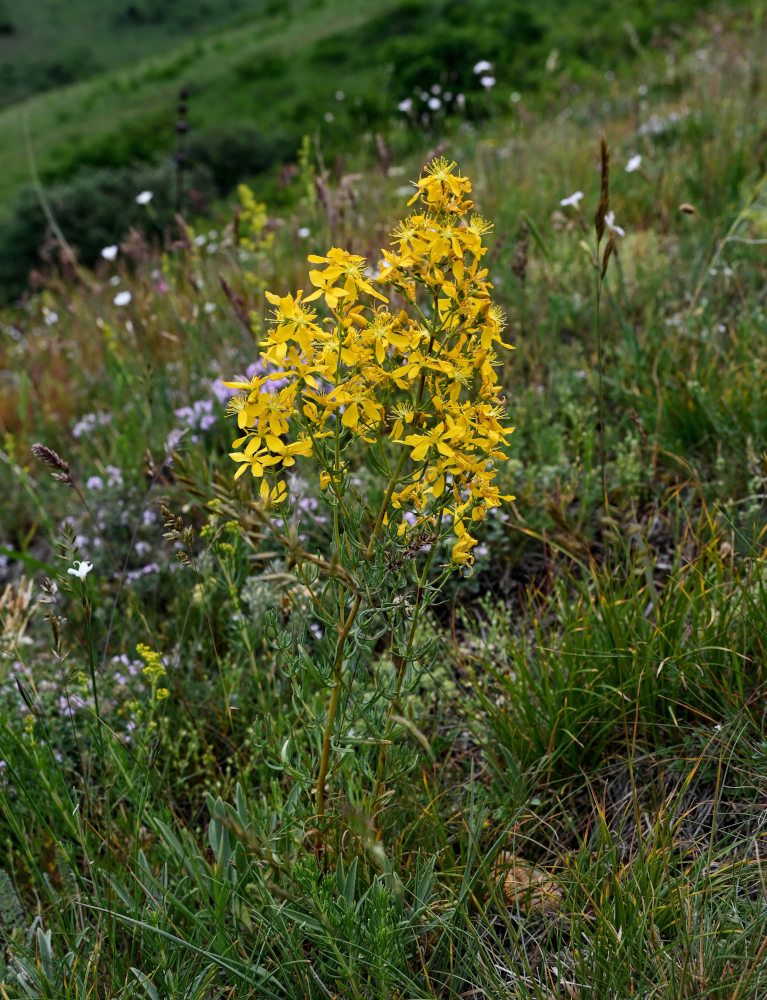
(407,385)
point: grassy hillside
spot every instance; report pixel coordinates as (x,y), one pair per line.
(49,44)
(129,114)
(283,64)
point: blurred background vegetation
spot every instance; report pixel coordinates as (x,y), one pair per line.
(89,93)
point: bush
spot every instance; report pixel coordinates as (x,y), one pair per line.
(92,211)
(232,152)
(452,40)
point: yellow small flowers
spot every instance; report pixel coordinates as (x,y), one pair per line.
(154,668)
(425,380)
(153,671)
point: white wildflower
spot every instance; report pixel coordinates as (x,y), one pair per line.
(80,569)
(572,201)
(610,223)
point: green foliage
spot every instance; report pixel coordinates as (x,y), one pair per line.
(11,912)
(91,211)
(441,43)
(231,152)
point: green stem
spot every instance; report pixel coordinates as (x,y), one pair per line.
(338,664)
(346,625)
(385,505)
(400,662)
(600,364)
(92,666)
(335,695)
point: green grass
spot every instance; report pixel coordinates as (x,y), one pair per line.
(52,44)
(595,706)
(228,74)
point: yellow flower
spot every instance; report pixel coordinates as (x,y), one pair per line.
(154,668)
(272,496)
(442,190)
(257,462)
(435,438)
(463,545)
(340,265)
(359,405)
(425,376)
(403,414)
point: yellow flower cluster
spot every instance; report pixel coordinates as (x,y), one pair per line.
(424,377)
(154,668)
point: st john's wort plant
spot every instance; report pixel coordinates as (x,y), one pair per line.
(405,386)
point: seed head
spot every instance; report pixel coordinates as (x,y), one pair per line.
(54,461)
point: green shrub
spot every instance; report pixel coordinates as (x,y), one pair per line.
(92,211)
(232,152)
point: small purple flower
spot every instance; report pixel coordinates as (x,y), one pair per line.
(114,476)
(65,706)
(89,422)
(261,368)
(220,391)
(308,505)
(197,417)
(136,574)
